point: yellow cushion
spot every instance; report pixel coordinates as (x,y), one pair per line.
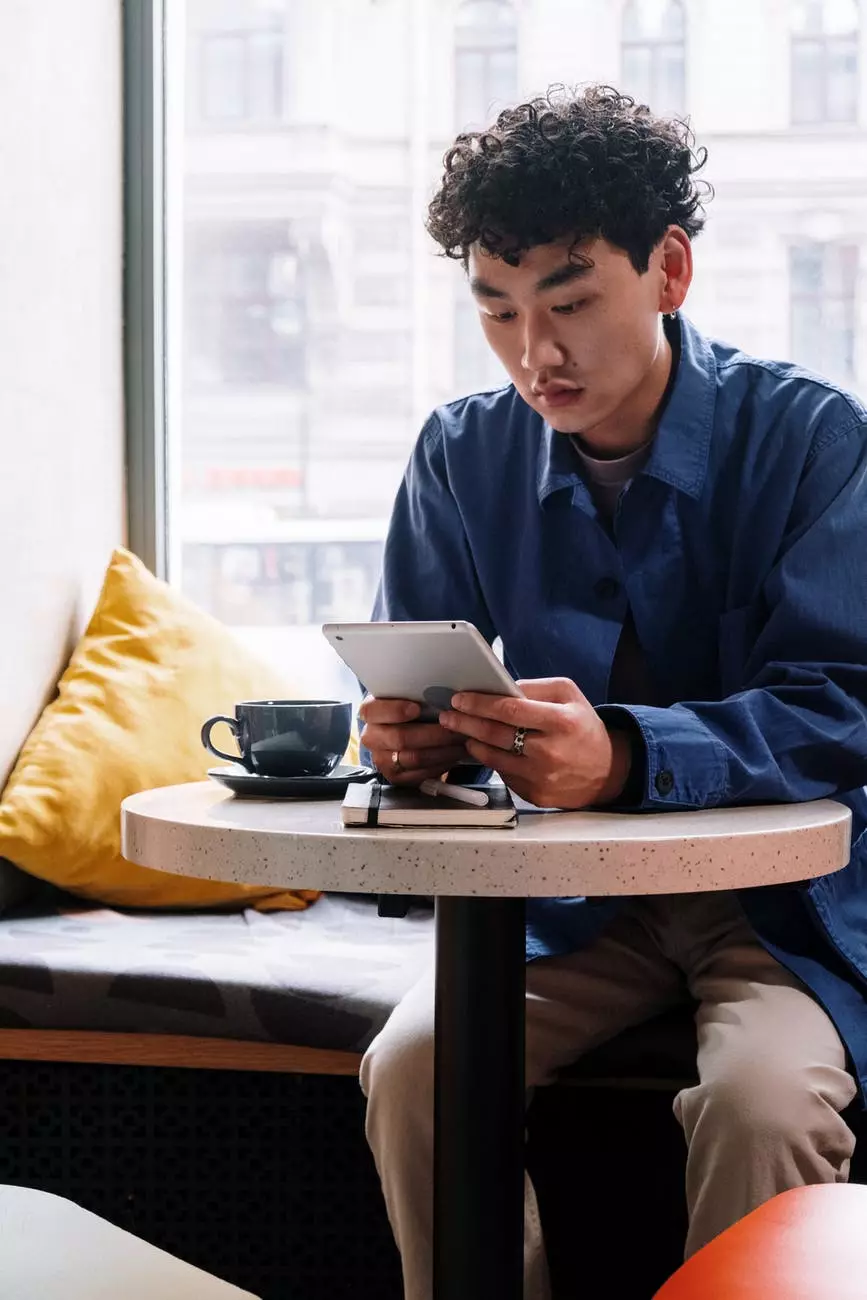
(149,670)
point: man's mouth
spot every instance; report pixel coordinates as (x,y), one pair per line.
(557,395)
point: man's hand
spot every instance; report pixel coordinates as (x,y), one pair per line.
(570,759)
(404,750)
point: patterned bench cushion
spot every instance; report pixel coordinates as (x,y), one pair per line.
(327,977)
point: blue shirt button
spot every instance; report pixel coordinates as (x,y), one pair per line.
(607,588)
(664,782)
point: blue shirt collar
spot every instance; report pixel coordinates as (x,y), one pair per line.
(680,448)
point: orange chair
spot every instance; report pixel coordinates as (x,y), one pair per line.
(806,1244)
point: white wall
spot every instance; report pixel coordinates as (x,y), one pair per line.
(61,417)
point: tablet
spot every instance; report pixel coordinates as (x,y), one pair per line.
(424,662)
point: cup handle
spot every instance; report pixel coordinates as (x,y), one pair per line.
(232,724)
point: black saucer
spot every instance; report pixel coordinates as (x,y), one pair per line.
(250,785)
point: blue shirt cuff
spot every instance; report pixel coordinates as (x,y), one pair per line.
(684,762)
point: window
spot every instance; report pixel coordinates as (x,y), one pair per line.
(240,73)
(654,55)
(383,233)
(824,286)
(246,296)
(365,346)
(476,367)
(300,583)
(486,61)
(310,325)
(486,77)
(383,290)
(825,61)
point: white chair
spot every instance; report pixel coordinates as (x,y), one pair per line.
(52,1249)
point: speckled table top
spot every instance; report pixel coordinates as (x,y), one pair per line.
(202,830)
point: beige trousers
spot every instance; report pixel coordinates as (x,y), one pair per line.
(764,1117)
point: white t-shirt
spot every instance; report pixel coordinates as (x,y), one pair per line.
(608,478)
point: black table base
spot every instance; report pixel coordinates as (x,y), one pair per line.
(480,1102)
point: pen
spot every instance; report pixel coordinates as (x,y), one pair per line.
(477,798)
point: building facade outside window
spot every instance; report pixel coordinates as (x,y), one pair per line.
(823,279)
(311,324)
(825,35)
(486,60)
(486,80)
(246,306)
(240,75)
(653,54)
(476,367)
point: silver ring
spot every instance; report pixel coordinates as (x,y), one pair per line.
(395,760)
(518,742)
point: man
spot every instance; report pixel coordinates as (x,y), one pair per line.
(668,536)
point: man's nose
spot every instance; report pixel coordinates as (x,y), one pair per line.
(541,349)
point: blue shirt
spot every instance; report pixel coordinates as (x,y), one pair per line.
(741,551)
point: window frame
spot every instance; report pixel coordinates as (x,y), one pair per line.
(144,284)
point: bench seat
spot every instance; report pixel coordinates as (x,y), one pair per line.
(324,979)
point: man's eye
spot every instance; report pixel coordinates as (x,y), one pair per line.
(500,316)
(569,308)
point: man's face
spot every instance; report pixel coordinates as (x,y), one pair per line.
(583,344)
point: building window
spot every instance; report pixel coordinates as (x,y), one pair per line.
(241,75)
(284,584)
(486,61)
(654,54)
(246,306)
(824,286)
(825,62)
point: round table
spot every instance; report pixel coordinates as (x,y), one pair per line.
(480,879)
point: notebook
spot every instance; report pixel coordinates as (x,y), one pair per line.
(375,804)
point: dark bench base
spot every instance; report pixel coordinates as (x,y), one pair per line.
(262,1179)
(265,1179)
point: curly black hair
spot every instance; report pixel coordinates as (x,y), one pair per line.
(571,164)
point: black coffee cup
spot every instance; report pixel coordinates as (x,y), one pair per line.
(286,737)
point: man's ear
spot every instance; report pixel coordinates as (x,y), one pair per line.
(676,268)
